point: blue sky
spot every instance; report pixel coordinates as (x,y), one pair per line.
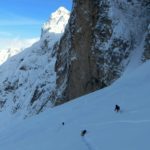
(23,18)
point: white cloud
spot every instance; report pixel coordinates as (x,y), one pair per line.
(9,47)
(16,43)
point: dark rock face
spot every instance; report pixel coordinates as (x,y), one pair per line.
(97,45)
(147,45)
(146,55)
(76,64)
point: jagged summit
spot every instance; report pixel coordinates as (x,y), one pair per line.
(57,22)
(61,10)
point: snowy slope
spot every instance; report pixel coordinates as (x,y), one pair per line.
(27,79)
(106,129)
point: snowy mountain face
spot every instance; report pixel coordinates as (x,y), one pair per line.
(5,54)
(55,26)
(27,79)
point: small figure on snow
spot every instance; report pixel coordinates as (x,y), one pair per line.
(83,132)
(117,108)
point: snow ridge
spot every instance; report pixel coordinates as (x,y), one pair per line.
(57,22)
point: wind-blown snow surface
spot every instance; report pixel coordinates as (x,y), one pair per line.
(106,129)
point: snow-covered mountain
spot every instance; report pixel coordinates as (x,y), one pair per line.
(102,40)
(106,129)
(27,79)
(5,54)
(15,47)
(56,23)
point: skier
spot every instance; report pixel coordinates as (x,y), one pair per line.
(83,132)
(117,108)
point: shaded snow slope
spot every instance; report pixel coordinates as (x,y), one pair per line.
(27,79)
(106,129)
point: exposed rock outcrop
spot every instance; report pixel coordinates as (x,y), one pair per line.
(97,44)
(147,45)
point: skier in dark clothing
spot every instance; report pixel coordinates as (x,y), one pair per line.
(83,132)
(117,108)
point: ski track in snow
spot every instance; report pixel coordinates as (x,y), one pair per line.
(116,122)
(88,143)
(127,121)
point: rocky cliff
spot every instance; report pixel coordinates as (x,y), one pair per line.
(100,41)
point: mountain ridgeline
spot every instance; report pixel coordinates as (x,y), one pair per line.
(72,58)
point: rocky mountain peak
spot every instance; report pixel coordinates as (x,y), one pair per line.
(56,23)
